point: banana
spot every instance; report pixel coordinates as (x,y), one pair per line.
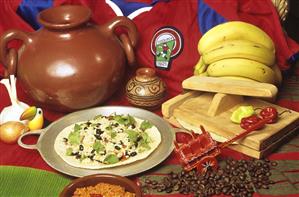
(204,74)
(240,49)
(200,67)
(278,75)
(239,78)
(242,68)
(234,30)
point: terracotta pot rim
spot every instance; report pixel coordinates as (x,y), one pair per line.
(107,178)
(64,17)
(145,74)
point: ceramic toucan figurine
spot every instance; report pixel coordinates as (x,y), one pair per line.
(34,116)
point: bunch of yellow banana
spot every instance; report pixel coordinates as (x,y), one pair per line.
(238,50)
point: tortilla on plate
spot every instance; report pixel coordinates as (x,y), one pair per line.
(107,141)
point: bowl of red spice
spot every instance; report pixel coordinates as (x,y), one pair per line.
(101,185)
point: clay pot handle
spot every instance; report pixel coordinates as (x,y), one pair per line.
(128,41)
(9,57)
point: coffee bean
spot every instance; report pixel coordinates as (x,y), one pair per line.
(176,187)
(174,175)
(242,177)
(159,189)
(273,163)
(258,172)
(225,190)
(227,179)
(232,179)
(148,181)
(271,182)
(235,173)
(265,165)
(217,191)
(168,190)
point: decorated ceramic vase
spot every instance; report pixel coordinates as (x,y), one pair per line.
(146,89)
(70,63)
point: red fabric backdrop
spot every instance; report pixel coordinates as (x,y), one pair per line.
(183,16)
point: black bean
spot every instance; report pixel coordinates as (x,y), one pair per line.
(91,157)
(75,153)
(81,147)
(99,132)
(132,154)
(97,136)
(117,147)
(115,124)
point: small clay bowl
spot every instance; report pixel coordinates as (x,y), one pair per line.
(146,89)
(92,180)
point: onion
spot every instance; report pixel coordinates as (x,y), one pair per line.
(10,131)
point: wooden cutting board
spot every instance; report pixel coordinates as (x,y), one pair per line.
(213,111)
(230,86)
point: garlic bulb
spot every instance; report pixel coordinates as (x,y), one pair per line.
(14,111)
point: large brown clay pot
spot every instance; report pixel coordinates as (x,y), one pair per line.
(70,64)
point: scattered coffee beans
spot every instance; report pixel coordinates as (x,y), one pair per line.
(236,178)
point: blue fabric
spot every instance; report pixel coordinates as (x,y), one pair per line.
(208,17)
(29,9)
(293,58)
(129,7)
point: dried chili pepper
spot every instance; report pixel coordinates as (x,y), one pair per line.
(270,112)
(248,122)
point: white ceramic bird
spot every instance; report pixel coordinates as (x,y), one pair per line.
(12,112)
(34,116)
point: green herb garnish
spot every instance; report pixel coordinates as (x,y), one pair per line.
(69,151)
(77,127)
(98,146)
(111,159)
(145,125)
(74,138)
(132,135)
(125,120)
(144,142)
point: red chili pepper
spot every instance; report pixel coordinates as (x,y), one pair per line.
(270,112)
(248,122)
